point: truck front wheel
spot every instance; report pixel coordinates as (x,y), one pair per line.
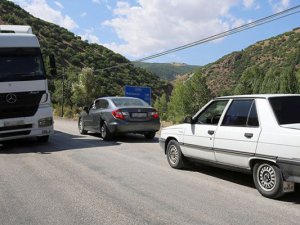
(43,138)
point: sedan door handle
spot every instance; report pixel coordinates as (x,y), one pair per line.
(210,132)
(248,135)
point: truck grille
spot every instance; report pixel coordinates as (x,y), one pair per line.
(17,133)
(18,127)
(19,104)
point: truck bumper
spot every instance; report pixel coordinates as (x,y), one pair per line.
(41,124)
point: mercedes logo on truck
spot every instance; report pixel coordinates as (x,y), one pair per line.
(11,98)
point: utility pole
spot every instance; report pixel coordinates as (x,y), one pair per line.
(63,93)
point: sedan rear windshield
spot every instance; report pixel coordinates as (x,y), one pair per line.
(21,64)
(286,109)
(124,102)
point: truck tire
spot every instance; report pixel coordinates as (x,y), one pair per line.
(43,139)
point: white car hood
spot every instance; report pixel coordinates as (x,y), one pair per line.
(292,126)
(175,127)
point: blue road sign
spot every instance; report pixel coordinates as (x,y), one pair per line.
(143,93)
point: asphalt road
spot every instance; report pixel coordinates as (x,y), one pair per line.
(77,179)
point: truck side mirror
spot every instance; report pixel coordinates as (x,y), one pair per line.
(53,71)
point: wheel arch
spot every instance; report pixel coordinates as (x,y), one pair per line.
(167,142)
(101,121)
(255,160)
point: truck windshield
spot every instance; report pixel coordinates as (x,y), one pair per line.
(286,109)
(21,64)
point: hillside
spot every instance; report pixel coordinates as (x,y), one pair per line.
(73,54)
(167,71)
(269,66)
(279,54)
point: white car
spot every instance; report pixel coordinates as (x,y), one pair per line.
(259,134)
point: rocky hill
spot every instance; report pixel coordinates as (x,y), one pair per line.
(277,54)
(167,71)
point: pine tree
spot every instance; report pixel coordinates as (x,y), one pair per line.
(161,106)
(288,81)
(250,81)
(271,83)
(188,97)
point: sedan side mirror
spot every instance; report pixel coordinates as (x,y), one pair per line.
(86,109)
(188,119)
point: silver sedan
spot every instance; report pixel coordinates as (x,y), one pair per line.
(112,115)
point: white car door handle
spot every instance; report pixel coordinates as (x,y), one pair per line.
(248,135)
(210,132)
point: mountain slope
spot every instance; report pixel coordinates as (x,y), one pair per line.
(277,53)
(167,71)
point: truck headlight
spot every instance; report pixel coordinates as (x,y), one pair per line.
(44,98)
(45,122)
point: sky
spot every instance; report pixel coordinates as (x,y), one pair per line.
(140,28)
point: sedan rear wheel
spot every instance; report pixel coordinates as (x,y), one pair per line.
(105,132)
(174,155)
(81,126)
(149,135)
(268,179)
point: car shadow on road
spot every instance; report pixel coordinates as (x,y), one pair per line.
(62,141)
(135,138)
(59,141)
(228,175)
(240,179)
(128,138)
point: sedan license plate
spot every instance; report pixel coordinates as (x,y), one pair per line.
(138,115)
(288,186)
(13,123)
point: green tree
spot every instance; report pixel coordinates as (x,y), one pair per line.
(196,93)
(161,105)
(188,97)
(271,83)
(288,81)
(85,90)
(250,81)
(176,108)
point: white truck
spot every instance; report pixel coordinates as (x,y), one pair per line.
(25,106)
(259,134)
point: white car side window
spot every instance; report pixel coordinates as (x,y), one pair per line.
(212,114)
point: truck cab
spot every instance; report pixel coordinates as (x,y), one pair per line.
(25,106)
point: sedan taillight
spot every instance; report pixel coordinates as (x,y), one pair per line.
(118,114)
(154,115)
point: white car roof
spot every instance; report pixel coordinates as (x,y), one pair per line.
(266,96)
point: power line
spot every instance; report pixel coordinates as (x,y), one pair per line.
(259,22)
